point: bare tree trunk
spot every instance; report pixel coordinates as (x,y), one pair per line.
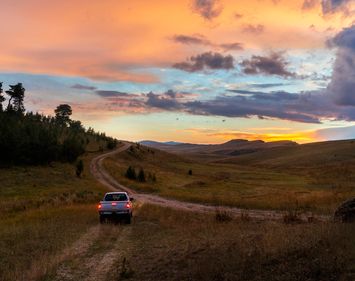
(8,105)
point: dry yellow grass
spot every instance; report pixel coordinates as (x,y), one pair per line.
(318,189)
(44,209)
(175,245)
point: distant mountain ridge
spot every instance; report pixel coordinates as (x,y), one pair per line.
(230,148)
(150,142)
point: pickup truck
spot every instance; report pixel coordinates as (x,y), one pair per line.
(115,205)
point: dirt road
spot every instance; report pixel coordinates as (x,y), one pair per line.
(95,254)
(105,178)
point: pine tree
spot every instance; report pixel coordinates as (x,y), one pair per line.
(62,114)
(2,98)
(79,168)
(141,176)
(131,173)
(17,95)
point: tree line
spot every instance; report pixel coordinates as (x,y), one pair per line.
(28,138)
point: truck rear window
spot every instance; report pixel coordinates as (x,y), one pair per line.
(116,197)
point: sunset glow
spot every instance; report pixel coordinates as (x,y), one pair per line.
(203,71)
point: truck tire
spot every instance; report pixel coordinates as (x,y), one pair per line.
(102,219)
(128,219)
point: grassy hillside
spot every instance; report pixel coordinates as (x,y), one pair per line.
(306,155)
(261,187)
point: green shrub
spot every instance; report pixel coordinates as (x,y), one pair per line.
(141,176)
(131,173)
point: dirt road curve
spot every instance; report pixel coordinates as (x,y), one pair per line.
(104,177)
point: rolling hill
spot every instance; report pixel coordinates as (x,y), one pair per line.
(231,148)
(304,155)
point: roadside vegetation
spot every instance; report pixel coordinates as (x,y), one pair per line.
(313,189)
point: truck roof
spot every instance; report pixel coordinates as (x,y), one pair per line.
(117,192)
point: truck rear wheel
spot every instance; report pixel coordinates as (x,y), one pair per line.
(128,219)
(102,219)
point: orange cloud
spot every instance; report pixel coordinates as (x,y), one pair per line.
(108,40)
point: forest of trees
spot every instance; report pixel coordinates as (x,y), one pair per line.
(28,138)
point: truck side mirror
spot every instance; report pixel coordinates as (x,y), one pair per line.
(132,199)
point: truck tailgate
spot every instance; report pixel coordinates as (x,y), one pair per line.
(114,207)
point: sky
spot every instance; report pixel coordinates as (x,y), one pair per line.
(199,71)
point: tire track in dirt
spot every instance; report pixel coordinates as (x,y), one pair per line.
(99,172)
(96,254)
(75,251)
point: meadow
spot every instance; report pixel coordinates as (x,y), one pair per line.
(166,244)
(44,209)
(50,229)
(315,189)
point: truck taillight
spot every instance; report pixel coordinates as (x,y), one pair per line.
(99,206)
(128,205)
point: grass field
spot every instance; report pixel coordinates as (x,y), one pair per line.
(165,244)
(30,241)
(315,189)
(44,209)
(175,245)
(311,155)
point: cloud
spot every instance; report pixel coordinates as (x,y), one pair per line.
(162,102)
(232,46)
(82,63)
(201,40)
(83,87)
(110,94)
(191,39)
(120,101)
(254,29)
(342,84)
(208,9)
(331,6)
(345,39)
(274,64)
(170,100)
(273,96)
(304,108)
(336,102)
(267,85)
(142,103)
(309,4)
(206,60)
